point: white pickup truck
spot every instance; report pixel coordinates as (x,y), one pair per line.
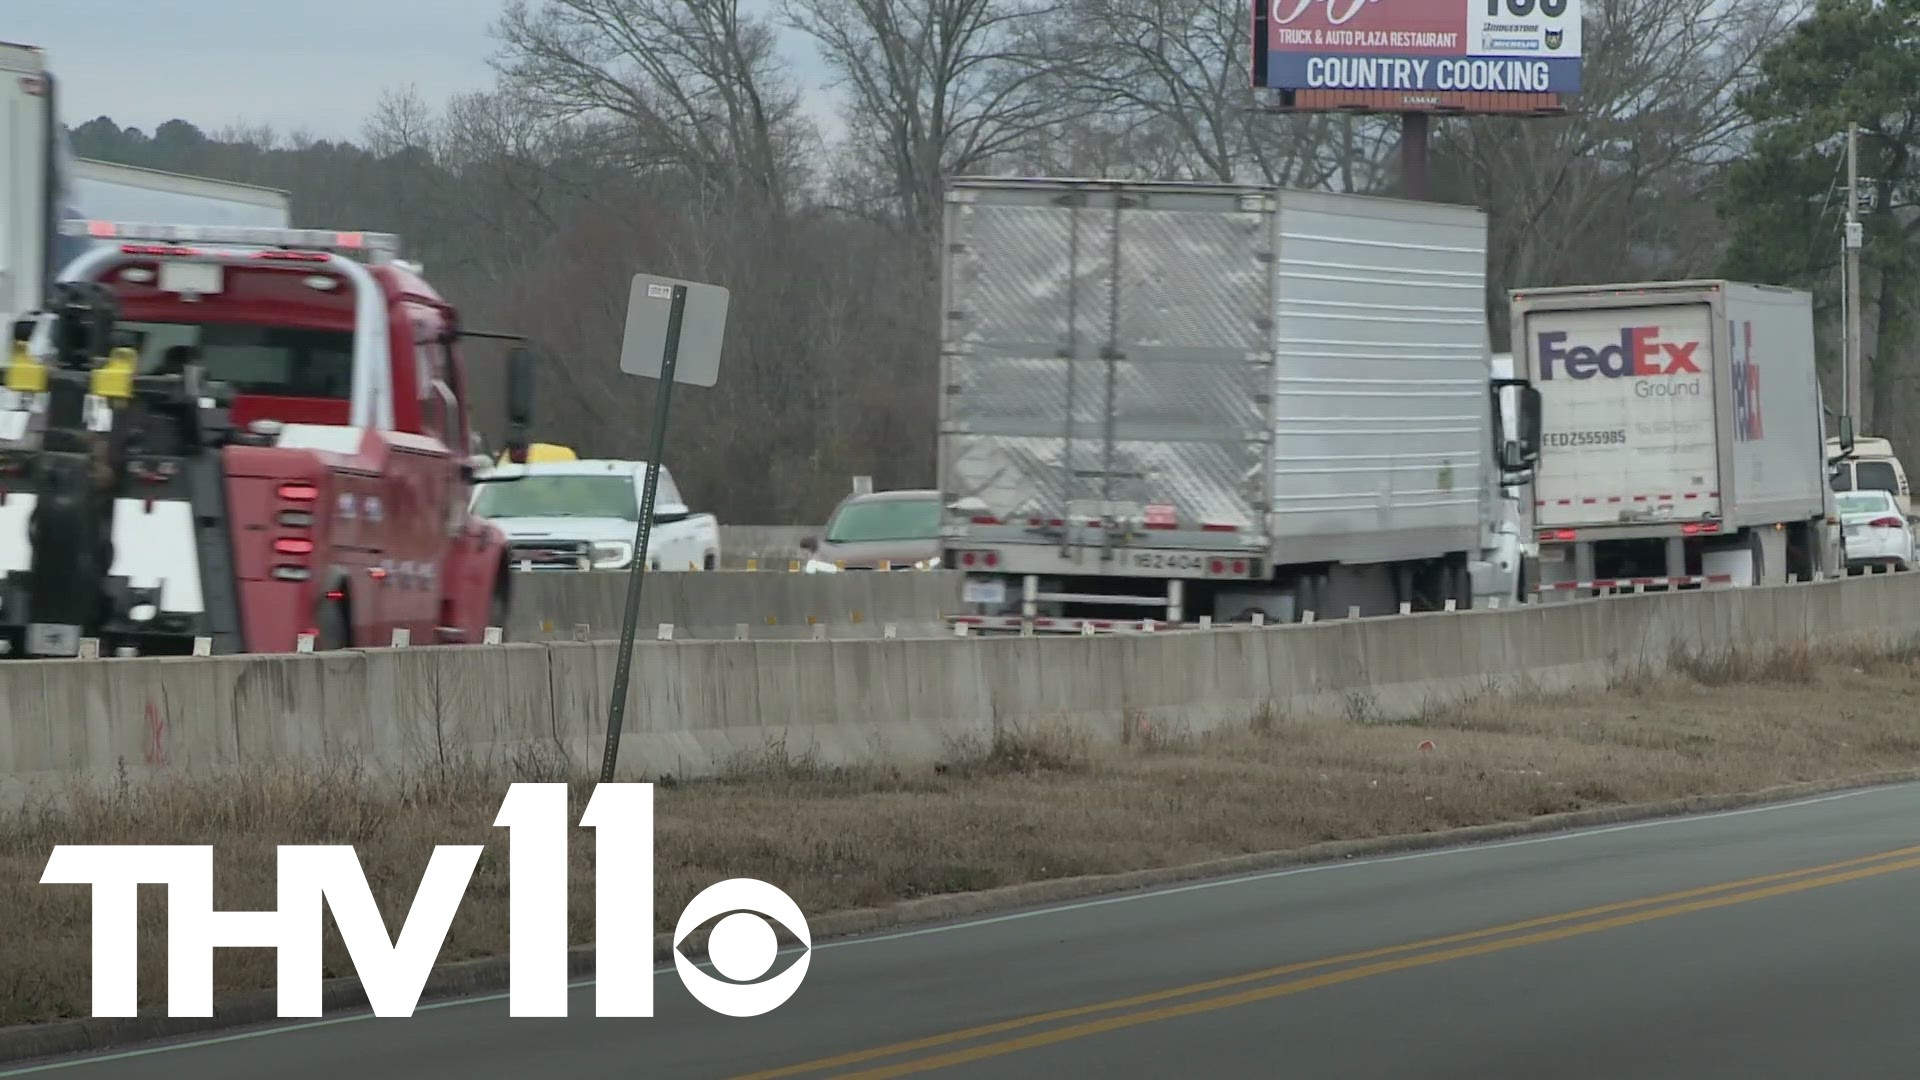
(582,515)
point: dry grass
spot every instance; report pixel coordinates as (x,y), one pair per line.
(1040,803)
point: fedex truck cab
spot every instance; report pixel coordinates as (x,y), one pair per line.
(1683,441)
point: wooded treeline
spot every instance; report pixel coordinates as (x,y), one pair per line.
(668,136)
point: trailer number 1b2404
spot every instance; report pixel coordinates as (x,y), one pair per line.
(1162,560)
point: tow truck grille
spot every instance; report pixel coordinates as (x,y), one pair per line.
(551,555)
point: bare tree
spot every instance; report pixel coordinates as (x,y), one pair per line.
(521,172)
(258,136)
(933,87)
(401,121)
(1110,146)
(1177,69)
(694,85)
(1616,188)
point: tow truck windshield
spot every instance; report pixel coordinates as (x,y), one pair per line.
(275,361)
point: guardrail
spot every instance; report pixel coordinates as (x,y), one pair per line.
(694,706)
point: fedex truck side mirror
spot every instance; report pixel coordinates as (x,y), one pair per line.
(1518,450)
(1846,436)
(1530,423)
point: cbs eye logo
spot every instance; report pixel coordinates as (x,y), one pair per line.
(742,947)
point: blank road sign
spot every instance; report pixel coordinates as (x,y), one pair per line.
(703,325)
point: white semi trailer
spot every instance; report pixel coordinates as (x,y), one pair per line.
(28,176)
(1167,400)
(42,185)
(105,191)
(1684,440)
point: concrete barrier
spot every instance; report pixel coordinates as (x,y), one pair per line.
(547,606)
(771,546)
(695,706)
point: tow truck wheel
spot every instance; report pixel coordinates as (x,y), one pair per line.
(497,613)
(336,631)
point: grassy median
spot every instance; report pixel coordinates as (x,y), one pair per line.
(1043,803)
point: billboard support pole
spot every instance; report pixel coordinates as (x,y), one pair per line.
(1414,128)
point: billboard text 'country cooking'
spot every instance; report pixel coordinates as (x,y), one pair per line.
(1487,46)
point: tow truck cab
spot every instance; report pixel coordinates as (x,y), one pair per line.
(329,493)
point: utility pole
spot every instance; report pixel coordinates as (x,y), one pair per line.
(1851,245)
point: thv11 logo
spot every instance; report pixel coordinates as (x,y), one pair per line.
(394,971)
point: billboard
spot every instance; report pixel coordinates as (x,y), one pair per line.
(1468,55)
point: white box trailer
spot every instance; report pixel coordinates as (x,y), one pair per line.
(26,216)
(1179,399)
(1683,436)
(104,191)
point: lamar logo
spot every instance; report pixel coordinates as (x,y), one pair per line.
(1639,354)
(1555,37)
(742,945)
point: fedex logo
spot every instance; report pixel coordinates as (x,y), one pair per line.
(1639,354)
(1747,425)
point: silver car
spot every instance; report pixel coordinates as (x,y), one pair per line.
(898,528)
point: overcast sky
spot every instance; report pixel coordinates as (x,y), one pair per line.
(313,64)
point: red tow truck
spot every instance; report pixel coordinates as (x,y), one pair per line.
(218,439)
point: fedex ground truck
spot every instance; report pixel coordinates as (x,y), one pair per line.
(1683,440)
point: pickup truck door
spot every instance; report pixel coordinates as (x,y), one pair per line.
(674,547)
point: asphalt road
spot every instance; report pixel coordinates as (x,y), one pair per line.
(1775,942)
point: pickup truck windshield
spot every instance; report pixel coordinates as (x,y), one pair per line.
(560,496)
(277,361)
(885,519)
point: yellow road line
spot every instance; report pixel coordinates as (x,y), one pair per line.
(1000,1027)
(1334,978)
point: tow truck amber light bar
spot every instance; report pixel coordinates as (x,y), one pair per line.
(292,241)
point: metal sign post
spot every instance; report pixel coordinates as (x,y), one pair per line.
(674,333)
(1850,251)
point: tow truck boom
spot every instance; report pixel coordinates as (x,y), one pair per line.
(79,435)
